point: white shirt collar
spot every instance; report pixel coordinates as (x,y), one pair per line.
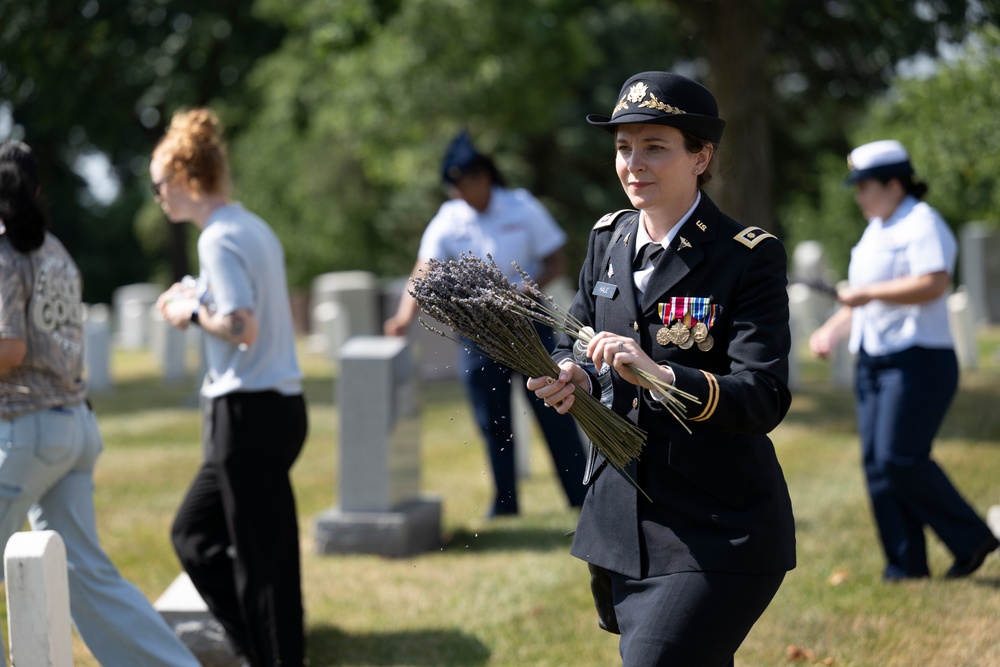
(642,236)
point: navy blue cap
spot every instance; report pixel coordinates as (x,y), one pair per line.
(665,98)
(879,159)
(461,155)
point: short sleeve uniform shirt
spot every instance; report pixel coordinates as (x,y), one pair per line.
(515,227)
(914,241)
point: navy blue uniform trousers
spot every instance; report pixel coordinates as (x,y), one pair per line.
(902,399)
(488,385)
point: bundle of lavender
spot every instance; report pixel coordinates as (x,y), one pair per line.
(475,299)
(543,308)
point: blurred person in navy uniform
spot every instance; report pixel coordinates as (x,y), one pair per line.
(485,217)
(895,315)
(684,560)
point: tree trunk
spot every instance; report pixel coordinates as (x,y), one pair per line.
(735,38)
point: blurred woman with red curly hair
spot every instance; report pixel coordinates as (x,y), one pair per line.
(236,531)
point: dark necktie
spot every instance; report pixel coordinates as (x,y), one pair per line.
(649,253)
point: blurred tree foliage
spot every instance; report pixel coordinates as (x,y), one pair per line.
(361,109)
(338,110)
(364,105)
(948,122)
(83,78)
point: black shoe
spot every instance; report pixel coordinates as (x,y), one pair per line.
(969,566)
(895,578)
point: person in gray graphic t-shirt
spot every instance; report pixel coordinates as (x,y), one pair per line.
(49,440)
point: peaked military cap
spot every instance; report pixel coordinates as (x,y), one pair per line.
(665,98)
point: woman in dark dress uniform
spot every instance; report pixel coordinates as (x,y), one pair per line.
(684,567)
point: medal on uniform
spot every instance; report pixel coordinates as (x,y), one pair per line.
(663,336)
(687,321)
(677,333)
(680,335)
(704,313)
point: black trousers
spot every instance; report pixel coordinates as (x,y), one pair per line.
(236,531)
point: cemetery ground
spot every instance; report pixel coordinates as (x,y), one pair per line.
(506,593)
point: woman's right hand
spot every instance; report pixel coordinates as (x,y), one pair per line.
(822,343)
(558,392)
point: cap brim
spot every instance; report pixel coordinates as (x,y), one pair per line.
(703,127)
(881,171)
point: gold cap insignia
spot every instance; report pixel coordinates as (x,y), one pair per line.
(654,103)
(637,92)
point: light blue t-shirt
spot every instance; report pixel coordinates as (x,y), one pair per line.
(913,241)
(243,266)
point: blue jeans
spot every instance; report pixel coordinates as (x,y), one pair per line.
(489,385)
(47,463)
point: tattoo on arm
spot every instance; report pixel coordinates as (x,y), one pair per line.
(236,326)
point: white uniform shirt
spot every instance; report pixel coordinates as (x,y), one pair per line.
(914,241)
(515,227)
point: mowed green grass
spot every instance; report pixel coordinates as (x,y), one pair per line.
(506,593)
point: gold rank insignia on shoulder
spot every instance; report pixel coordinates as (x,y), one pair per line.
(608,218)
(751,236)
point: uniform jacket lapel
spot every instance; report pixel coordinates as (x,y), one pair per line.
(621,265)
(685,253)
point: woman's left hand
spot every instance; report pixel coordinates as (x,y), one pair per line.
(623,354)
(558,391)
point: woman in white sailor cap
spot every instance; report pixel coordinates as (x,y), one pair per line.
(895,314)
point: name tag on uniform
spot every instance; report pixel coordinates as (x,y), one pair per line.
(606,290)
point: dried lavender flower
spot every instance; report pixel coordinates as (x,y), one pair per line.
(474,299)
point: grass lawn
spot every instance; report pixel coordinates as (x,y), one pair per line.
(506,593)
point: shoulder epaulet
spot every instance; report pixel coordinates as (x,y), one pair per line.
(751,236)
(609,219)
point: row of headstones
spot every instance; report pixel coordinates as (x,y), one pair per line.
(133,323)
(355,303)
